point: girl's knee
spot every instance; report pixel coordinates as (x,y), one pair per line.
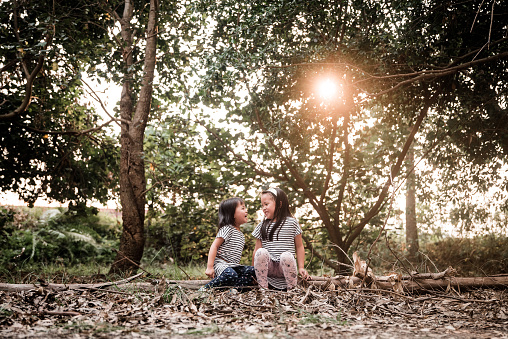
(286,258)
(261,254)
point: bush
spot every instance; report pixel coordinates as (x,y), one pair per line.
(185,236)
(478,256)
(77,235)
(180,236)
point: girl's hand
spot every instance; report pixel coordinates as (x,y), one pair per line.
(303,273)
(210,272)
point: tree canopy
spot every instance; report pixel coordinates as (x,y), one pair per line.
(396,62)
(52,144)
(403,70)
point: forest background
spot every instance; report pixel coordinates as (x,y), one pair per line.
(220,99)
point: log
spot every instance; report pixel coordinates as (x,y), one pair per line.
(64,287)
(330,283)
(116,285)
(415,285)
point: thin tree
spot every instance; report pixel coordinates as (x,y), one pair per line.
(412,243)
(134,115)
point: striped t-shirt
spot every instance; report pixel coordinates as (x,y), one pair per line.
(230,252)
(283,240)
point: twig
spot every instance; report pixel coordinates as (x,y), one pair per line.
(380,231)
(380,290)
(75,133)
(44,312)
(181,269)
(306,296)
(476,16)
(351,261)
(327,261)
(448,296)
(108,291)
(133,262)
(382,307)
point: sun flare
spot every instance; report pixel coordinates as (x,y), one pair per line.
(328,89)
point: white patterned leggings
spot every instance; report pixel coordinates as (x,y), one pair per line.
(266,267)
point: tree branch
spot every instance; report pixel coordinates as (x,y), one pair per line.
(393,172)
(248,162)
(29,83)
(429,74)
(77,133)
(94,95)
(9,65)
(330,165)
(327,261)
(345,174)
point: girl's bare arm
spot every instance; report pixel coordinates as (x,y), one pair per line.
(212,253)
(300,257)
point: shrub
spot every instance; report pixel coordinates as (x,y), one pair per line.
(78,235)
(185,236)
(481,255)
(477,256)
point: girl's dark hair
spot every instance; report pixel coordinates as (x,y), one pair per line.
(280,214)
(227,210)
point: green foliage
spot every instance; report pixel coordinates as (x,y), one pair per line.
(184,235)
(43,152)
(187,179)
(6,216)
(263,60)
(333,155)
(78,235)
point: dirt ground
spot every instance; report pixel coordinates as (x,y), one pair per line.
(307,313)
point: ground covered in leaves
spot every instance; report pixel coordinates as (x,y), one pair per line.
(305,313)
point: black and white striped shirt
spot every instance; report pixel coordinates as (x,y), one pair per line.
(283,240)
(230,252)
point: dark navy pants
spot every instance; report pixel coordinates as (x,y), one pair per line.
(238,276)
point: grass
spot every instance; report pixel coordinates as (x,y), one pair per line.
(5,313)
(175,272)
(51,273)
(92,272)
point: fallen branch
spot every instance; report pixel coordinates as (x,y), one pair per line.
(338,282)
(382,283)
(414,286)
(394,282)
(65,287)
(449,272)
(67,313)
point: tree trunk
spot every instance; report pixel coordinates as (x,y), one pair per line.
(132,167)
(411,227)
